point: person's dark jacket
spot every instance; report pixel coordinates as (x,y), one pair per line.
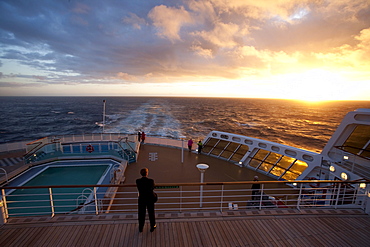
(145,186)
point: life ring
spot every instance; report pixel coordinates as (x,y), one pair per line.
(90,149)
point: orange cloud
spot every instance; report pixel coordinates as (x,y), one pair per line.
(125,77)
(169,20)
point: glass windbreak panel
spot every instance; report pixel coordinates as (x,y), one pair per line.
(254,163)
(261,154)
(237,157)
(298,167)
(209,145)
(277,171)
(242,150)
(222,144)
(104,147)
(285,162)
(66,148)
(232,147)
(290,176)
(76,149)
(358,140)
(219,147)
(216,151)
(226,154)
(265,167)
(211,142)
(273,158)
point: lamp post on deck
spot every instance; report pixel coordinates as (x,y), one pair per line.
(202,168)
(182,148)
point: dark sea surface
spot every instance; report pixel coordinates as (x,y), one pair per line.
(294,123)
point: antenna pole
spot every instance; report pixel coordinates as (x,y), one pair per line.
(103,115)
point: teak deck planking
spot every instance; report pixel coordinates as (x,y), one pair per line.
(302,230)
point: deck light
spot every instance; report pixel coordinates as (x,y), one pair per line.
(345,157)
(344,176)
(202,168)
(332,168)
(362,185)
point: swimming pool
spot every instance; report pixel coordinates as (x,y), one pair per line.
(65,200)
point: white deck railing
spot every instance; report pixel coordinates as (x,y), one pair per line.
(50,200)
(8,147)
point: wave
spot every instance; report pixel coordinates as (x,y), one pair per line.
(286,122)
(152,118)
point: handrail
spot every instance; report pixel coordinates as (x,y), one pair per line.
(5,173)
(366,181)
(181,197)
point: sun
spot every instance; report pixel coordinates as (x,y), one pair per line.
(316,85)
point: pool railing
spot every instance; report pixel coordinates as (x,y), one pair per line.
(66,147)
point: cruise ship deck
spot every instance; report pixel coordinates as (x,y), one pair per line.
(242,227)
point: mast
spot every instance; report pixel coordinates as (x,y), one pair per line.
(103,115)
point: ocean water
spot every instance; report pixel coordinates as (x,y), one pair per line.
(294,123)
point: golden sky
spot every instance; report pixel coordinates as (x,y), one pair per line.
(291,49)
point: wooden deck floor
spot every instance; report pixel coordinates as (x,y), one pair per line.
(321,229)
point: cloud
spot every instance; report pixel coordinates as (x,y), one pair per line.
(206,53)
(134,20)
(223,35)
(116,42)
(81,8)
(353,57)
(364,38)
(169,20)
(125,77)
(19,84)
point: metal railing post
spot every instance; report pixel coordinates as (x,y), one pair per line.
(51,202)
(4,206)
(222,196)
(96,202)
(180,198)
(261,197)
(338,194)
(299,196)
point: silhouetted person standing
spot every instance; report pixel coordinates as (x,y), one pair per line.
(146,200)
(200,146)
(255,189)
(139,136)
(190,144)
(143,137)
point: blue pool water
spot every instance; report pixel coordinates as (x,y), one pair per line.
(37,201)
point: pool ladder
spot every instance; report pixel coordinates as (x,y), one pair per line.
(81,201)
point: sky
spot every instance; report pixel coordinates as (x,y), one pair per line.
(290,49)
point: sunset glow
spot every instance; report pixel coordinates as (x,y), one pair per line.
(289,49)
